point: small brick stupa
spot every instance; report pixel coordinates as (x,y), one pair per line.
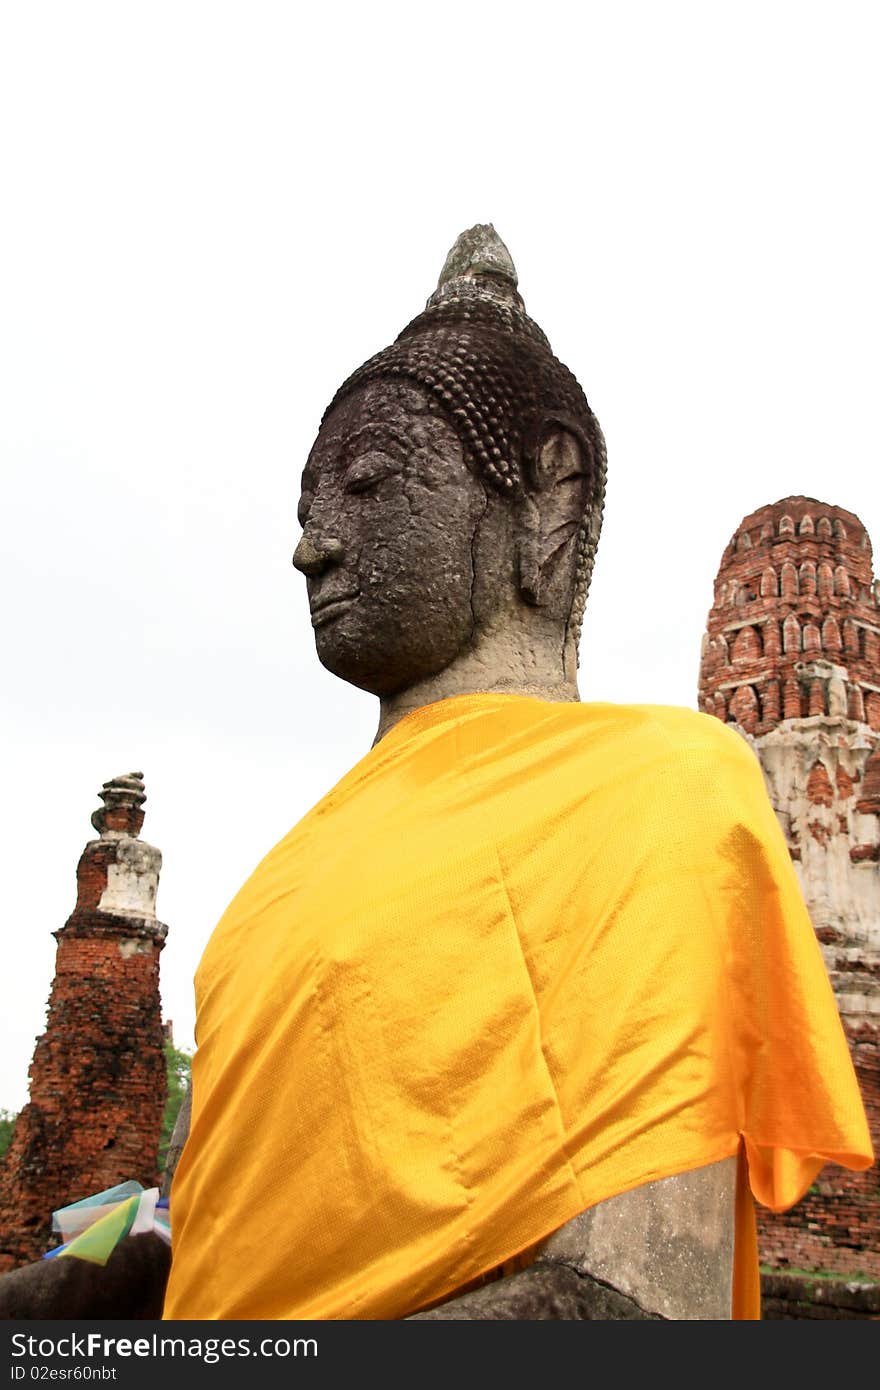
(791,656)
(97,1079)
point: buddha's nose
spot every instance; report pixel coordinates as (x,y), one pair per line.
(313,556)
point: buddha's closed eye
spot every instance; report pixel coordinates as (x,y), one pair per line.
(368,471)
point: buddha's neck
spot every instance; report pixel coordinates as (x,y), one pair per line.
(518,659)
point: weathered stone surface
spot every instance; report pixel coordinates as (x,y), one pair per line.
(452,502)
(791,1296)
(130,1285)
(177,1141)
(868,803)
(814,768)
(662,1244)
(544,1290)
(97,1079)
(480,255)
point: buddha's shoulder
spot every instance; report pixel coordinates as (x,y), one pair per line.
(703,773)
(670,732)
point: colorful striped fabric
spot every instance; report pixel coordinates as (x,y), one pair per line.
(94,1226)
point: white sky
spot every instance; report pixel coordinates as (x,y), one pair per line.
(211,213)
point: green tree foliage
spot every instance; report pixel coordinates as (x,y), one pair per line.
(177,1064)
(7,1125)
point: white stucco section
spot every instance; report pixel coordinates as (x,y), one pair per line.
(821,824)
(133,881)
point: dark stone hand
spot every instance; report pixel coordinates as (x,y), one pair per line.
(130,1285)
(545,1290)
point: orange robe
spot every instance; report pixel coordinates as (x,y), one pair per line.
(523,957)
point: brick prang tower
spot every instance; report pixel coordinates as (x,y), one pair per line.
(97,1079)
(794,631)
(791,657)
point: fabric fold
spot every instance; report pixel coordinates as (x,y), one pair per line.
(395,1089)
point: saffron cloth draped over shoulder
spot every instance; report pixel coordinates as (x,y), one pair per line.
(525,956)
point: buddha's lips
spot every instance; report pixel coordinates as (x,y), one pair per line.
(328,608)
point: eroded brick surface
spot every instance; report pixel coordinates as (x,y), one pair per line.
(835,1228)
(791,656)
(795,590)
(97,1078)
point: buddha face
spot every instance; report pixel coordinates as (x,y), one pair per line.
(390,512)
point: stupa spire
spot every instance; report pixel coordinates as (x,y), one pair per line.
(123,798)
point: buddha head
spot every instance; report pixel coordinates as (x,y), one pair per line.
(452,501)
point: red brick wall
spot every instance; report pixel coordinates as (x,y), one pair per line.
(97,1086)
(97,1078)
(785,594)
(836,1226)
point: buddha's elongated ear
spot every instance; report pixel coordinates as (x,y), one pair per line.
(558,480)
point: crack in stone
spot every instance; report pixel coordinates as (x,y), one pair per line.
(473,547)
(552,1262)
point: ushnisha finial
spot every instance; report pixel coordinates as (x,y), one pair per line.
(123,798)
(479,251)
(479,266)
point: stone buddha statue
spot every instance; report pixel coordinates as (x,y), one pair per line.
(451,509)
(490,1034)
(452,503)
